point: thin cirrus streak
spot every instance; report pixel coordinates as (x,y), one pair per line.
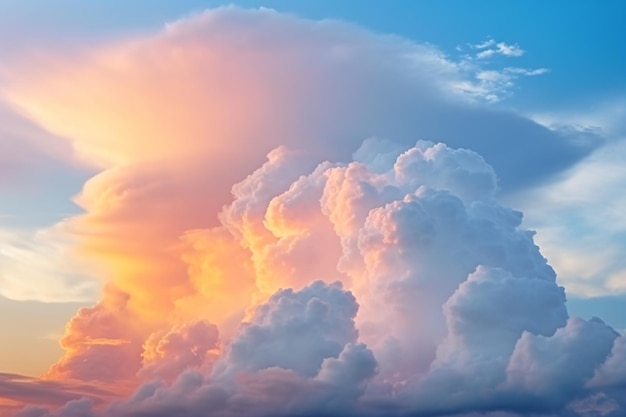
(262,259)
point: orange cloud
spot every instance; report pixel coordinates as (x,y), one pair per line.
(168,353)
(173,120)
(102,343)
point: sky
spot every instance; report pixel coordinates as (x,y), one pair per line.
(312,208)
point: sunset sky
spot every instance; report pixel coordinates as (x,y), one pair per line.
(312,208)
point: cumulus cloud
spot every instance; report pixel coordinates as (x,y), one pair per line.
(449,298)
(298,354)
(102,343)
(294,331)
(548,372)
(335,277)
(166,354)
(31,330)
(613,371)
(485,318)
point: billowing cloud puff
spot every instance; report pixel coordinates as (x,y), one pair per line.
(550,370)
(485,318)
(167,354)
(451,305)
(295,331)
(102,343)
(320,283)
(613,371)
(297,354)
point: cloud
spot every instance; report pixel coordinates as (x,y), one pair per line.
(311,282)
(550,370)
(485,318)
(252,80)
(38,175)
(20,389)
(102,343)
(595,405)
(24,144)
(168,354)
(74,408)
(41,267)
(580,224)
(448,298)
(30,343)
(209,58)
(490,47)
(33,162)
(495,85)
(295,331)
(484,45)
(492,83)
(613,371)
(296,355)
(491,309)
(527,72)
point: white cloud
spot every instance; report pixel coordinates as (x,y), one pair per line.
(501,48)
(509,50)
(38,265)
(526,72)
(295,331)
(579,216)
(552,371)
(484,45)
(493,84)
(168,353)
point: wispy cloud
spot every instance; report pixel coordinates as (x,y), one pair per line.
(23,389)
(579,218)
(526,72)
(38,265)
(490,47)
(492,83)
